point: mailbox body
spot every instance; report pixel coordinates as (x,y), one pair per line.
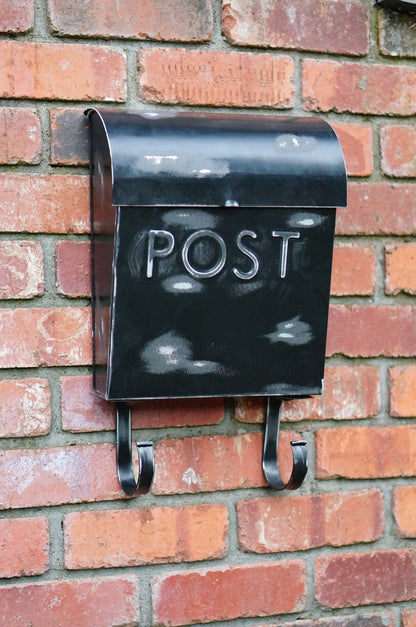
(212,241)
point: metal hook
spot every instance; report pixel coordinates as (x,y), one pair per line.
(270,448)
(125,471)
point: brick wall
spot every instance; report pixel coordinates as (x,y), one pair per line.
(210,544)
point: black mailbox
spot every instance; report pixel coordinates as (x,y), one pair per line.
(212,248)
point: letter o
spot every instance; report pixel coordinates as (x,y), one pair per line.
(210,272)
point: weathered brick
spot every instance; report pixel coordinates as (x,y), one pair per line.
(397,34)
(172,20)
(400,268)
(357,146)
(44,203)
(16,17)
(398,150)
(82,410)
(350,580)
(409,618)
(250,409)
(349,393)
(24,544)
(377,619)
(56,475)
(21,269)
(98,602)
(378,209)
(371,331)
(403,391)
(45,337)
(20,136)
(24,407)
(299,523)
(197,77)
(228,593)
(359,88)
(353,270)
(146,536)
(69,136)
(404,510)
(186,466)
(366,452)
(73,268)
(339,26)
(61,71)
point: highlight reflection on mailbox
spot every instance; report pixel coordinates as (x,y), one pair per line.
(212,249)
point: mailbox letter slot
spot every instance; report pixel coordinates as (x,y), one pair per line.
(212,241)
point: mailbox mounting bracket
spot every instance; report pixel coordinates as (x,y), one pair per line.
(270,450)
(125,465)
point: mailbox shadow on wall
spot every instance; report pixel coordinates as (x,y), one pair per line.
(211,248)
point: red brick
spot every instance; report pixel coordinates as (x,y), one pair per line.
(45,337)
(352,579)
(354,270)
(409,618)
(69,136)
(197,77)
(379,619)
(400,267)
(403,391)
(357,145)
(62,72)
(397,34)
(177,534)
(232,592)
(24,544)
(82,602)
(359,88)
(299,523)
(82,410)
(20,136)
(73,268)
(52,476)
(24,407)
(404,510)
(16,17)
(366,452)
(172,20)
(207,464)
(349,393)
(44,203)
(21,269)
(398,150)
(339,26)
(371,331)
(250,409)
(378,209)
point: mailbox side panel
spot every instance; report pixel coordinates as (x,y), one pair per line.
(220,302)
(103,217)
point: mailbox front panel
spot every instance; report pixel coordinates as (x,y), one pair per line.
(218,302)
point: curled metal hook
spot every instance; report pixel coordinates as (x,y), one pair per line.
(125,471)
(270,448)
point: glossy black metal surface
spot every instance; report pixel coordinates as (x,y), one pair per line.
(212,242)
(403,6)
(270,451)
(169,158)
(174,334)
(131,483)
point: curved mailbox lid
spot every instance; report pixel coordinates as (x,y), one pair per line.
(201,159)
